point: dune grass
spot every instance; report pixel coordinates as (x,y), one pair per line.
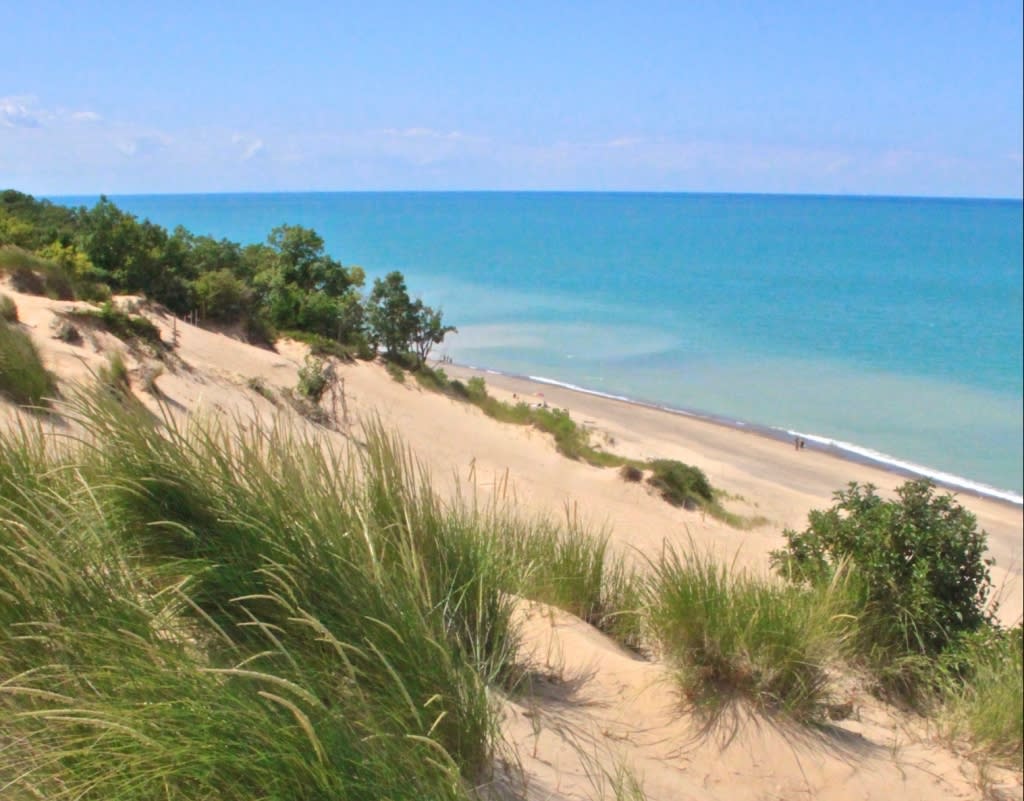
(243,611)
(23,378)
(227,611)
(730,634)
(986,707)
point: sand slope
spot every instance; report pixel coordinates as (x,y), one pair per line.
(598,713)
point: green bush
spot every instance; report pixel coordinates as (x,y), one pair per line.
(126,327)
(432,378)
(919,558)
(315,377)
(680,484)
(631,473)
(23,378)
(8,309)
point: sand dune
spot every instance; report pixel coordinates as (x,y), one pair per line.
(598,712)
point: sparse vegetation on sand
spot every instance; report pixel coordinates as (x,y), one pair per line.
(676,482)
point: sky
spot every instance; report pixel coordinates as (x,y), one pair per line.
(887,98)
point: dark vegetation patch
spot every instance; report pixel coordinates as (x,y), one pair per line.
(131,328)
(23,378)
(8,309)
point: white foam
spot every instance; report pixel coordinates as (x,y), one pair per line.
(912,467)
(539,379)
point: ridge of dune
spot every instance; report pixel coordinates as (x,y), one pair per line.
(595,707)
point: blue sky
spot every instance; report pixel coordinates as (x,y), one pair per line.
(904,98)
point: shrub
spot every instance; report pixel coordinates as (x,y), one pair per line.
(126,327)
(8,309)
(631,473)
(919,558)
(150,373)
(259,386)
(680,484)
(114,376)
(315,378)
(432,378)
(66,332)
(22,376)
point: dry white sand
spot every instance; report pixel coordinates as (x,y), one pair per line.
(600,712)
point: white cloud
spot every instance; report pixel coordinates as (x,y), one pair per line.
(16,112)
(142,145)
(85,116)
(249,145)
(424,133)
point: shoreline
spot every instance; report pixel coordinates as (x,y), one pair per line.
(846,451)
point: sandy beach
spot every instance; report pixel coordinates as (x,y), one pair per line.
(603,707)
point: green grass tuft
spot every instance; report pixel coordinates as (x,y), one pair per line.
(23,378)
(730,635)
(8,309)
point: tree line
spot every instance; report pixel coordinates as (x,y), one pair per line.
(288,285)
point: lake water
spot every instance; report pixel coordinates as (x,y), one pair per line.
(887,327)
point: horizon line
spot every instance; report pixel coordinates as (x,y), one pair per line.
(706,193)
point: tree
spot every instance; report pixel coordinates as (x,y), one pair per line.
(402,325)
(429,330)
(304,263)
(222,296)
(390,314)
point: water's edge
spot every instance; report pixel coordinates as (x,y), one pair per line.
(844,450)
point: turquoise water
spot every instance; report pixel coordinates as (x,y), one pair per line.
(889,326)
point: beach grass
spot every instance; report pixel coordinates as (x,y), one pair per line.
(733,635)
(985,706)
(23,378)
(240,611)
(130,328)
(237,614)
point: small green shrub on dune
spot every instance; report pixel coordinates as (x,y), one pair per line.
(918,564)
(680,484)
(23,378)
(8,309)
(126,327)
(631,473)
(315,378)
(114,374)
(432,378)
